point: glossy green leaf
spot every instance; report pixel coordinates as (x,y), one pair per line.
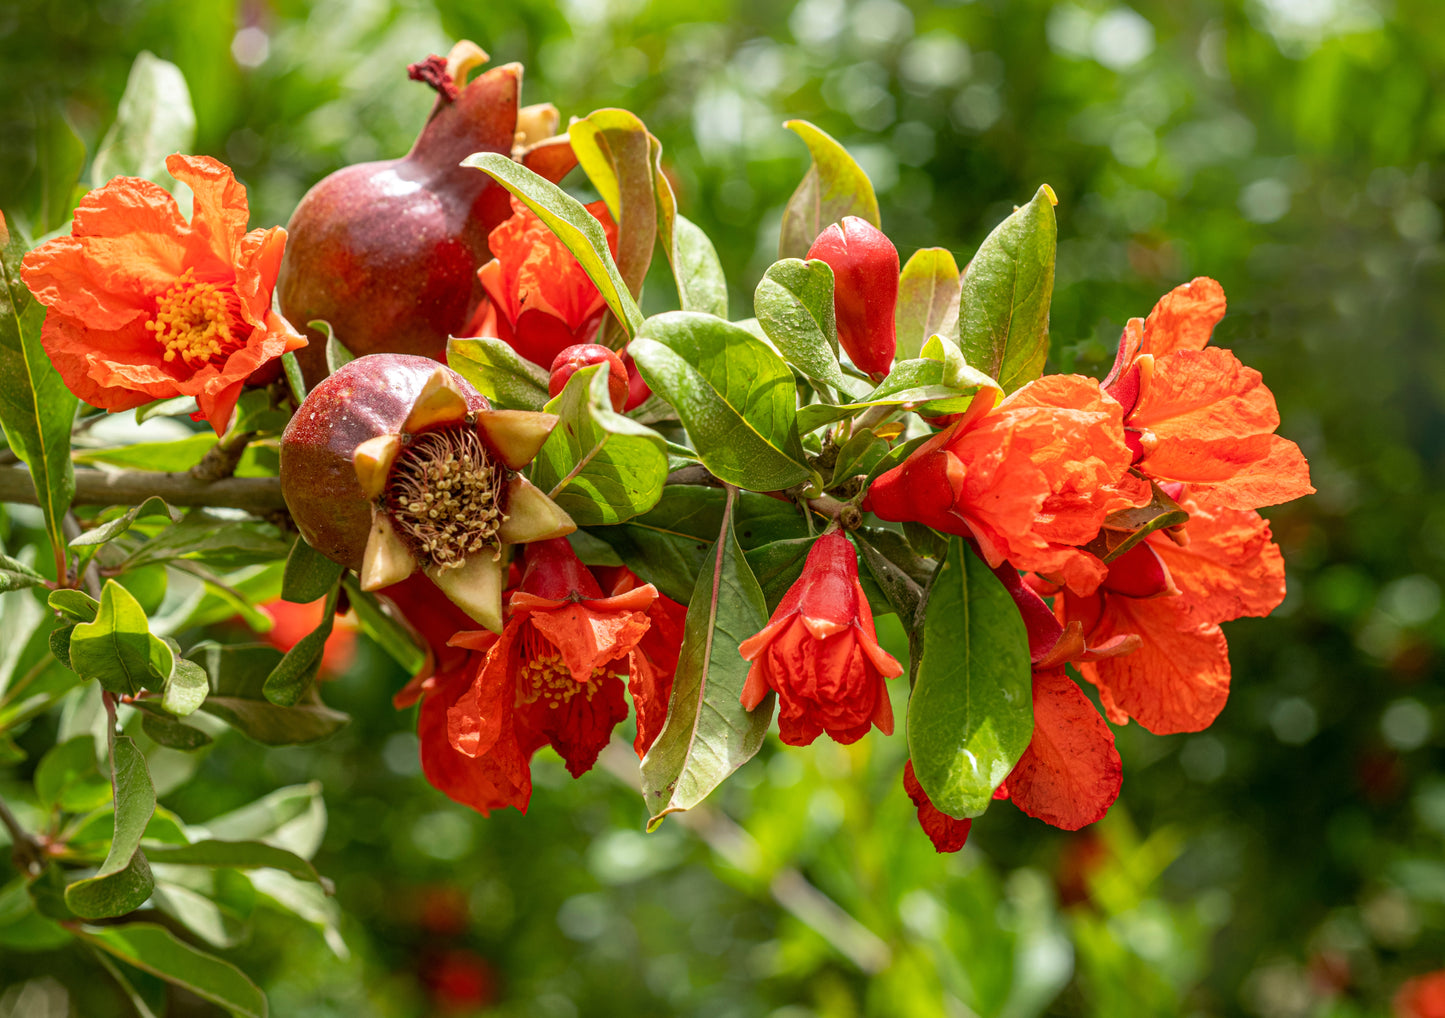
(185,688)
(701,284)
(295,380)
(244,855)
(124,880)
(499,373)
(171,457)
(735,396)
(794,304)
(117,649)
(16,575)
(777,565)
(153,120)
(1127,527)
(294,673)
(173,734)
(918,384)
(68,777)
(201,915)
(834,186)
(599,466)
(309,574)
(336,352)
(36,409)
(572,223)
(176,406)
(1003,319)
(861,453)
(111,529)
(970,717)
(156,950)
(708,734)
(238,673)
(74,604)
(927,305)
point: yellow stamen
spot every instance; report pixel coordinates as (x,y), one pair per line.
(194,320)
(544,676)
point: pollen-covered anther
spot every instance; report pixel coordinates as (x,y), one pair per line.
(546,678)
(194,320)
(443,496)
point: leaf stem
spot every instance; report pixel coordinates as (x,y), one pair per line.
(27,854)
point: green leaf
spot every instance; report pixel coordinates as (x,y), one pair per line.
(922,384)
(153,120)
(1003,319)
(309,574)
(735,396)
(16,575)
(499,373)
(861,453)
(295,380)
(74,604)
(243,855)
(336,352)
(123,882)
(614,150)
(199,914)
(238,673)
(708,734)
(389,634)
(794,303)
(52,189)
(599,466)
(902,587)
(777,565)
(971,714)
(701,284)
(574,226)
(68,777)
(1127,527)
(173,734)
(156,950)
(834,186)
(927,306)
(185,688)
(176,406)
(295,672)
(109,531)
(117,649)
(36,409)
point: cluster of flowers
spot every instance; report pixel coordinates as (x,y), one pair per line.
(144,305)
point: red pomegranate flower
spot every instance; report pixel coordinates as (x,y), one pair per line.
(145,306)
(1198,416)
(653,662)
(947,833)
(554,677)
(539,300)
(820,652)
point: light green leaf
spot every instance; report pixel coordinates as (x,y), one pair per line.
(36,409)
(1003,319)
(110,530)
(794,303)
(123,882)
(708,734)
(574,226)
(243,855)
(186,688)
(927,306)
(117,649)
(971,714)
(68,777)
(153,120)
(16,575)
(597,465)
(701,284)
(921,384)
(735,396)
(388,633)
(156,950)
(499,373)
(834,186)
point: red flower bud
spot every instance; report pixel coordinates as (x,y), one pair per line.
(820,652)
(571,360)
(865,291)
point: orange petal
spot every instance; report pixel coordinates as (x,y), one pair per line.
(501,777)
(1184,318)
(1071,772)
(1230,568)
(219,213)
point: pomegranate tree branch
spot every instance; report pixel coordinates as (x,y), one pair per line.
(28,856)
(257,495)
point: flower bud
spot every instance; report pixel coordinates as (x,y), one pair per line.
(573,358)
(865,291)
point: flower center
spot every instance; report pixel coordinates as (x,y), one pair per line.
(443,496)
(194,321)
(544,676)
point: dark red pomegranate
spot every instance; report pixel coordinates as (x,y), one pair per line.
(582,355)
(388,252)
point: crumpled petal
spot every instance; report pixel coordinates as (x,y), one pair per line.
(947,833)
(1070,774)
(501,777)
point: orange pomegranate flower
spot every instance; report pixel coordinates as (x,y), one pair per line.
(146,306)
(554,677)
(539,300)
(653,663)
(1029,481)
(1196,415)
(948,834)
(1172,593)
(1421,997)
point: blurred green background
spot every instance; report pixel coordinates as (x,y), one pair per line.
(1288,862)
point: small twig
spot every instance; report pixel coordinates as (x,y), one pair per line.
(694,474)
(26,852)
(874,416)
(256,495)
(221,459)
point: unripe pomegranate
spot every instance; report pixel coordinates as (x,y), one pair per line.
(395,463)
(865,291)
(388,252)
(570,360)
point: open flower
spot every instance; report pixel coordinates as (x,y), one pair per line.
(396,464)
(1195,414)
(539,300)
(1029,480)
(554,677)
(820,652)
(145,306)
(653,662)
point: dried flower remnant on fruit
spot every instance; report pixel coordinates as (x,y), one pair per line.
(443,496)
(433,71)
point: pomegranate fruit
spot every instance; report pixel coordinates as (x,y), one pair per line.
(395,463)
(570,360)
(387,252)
